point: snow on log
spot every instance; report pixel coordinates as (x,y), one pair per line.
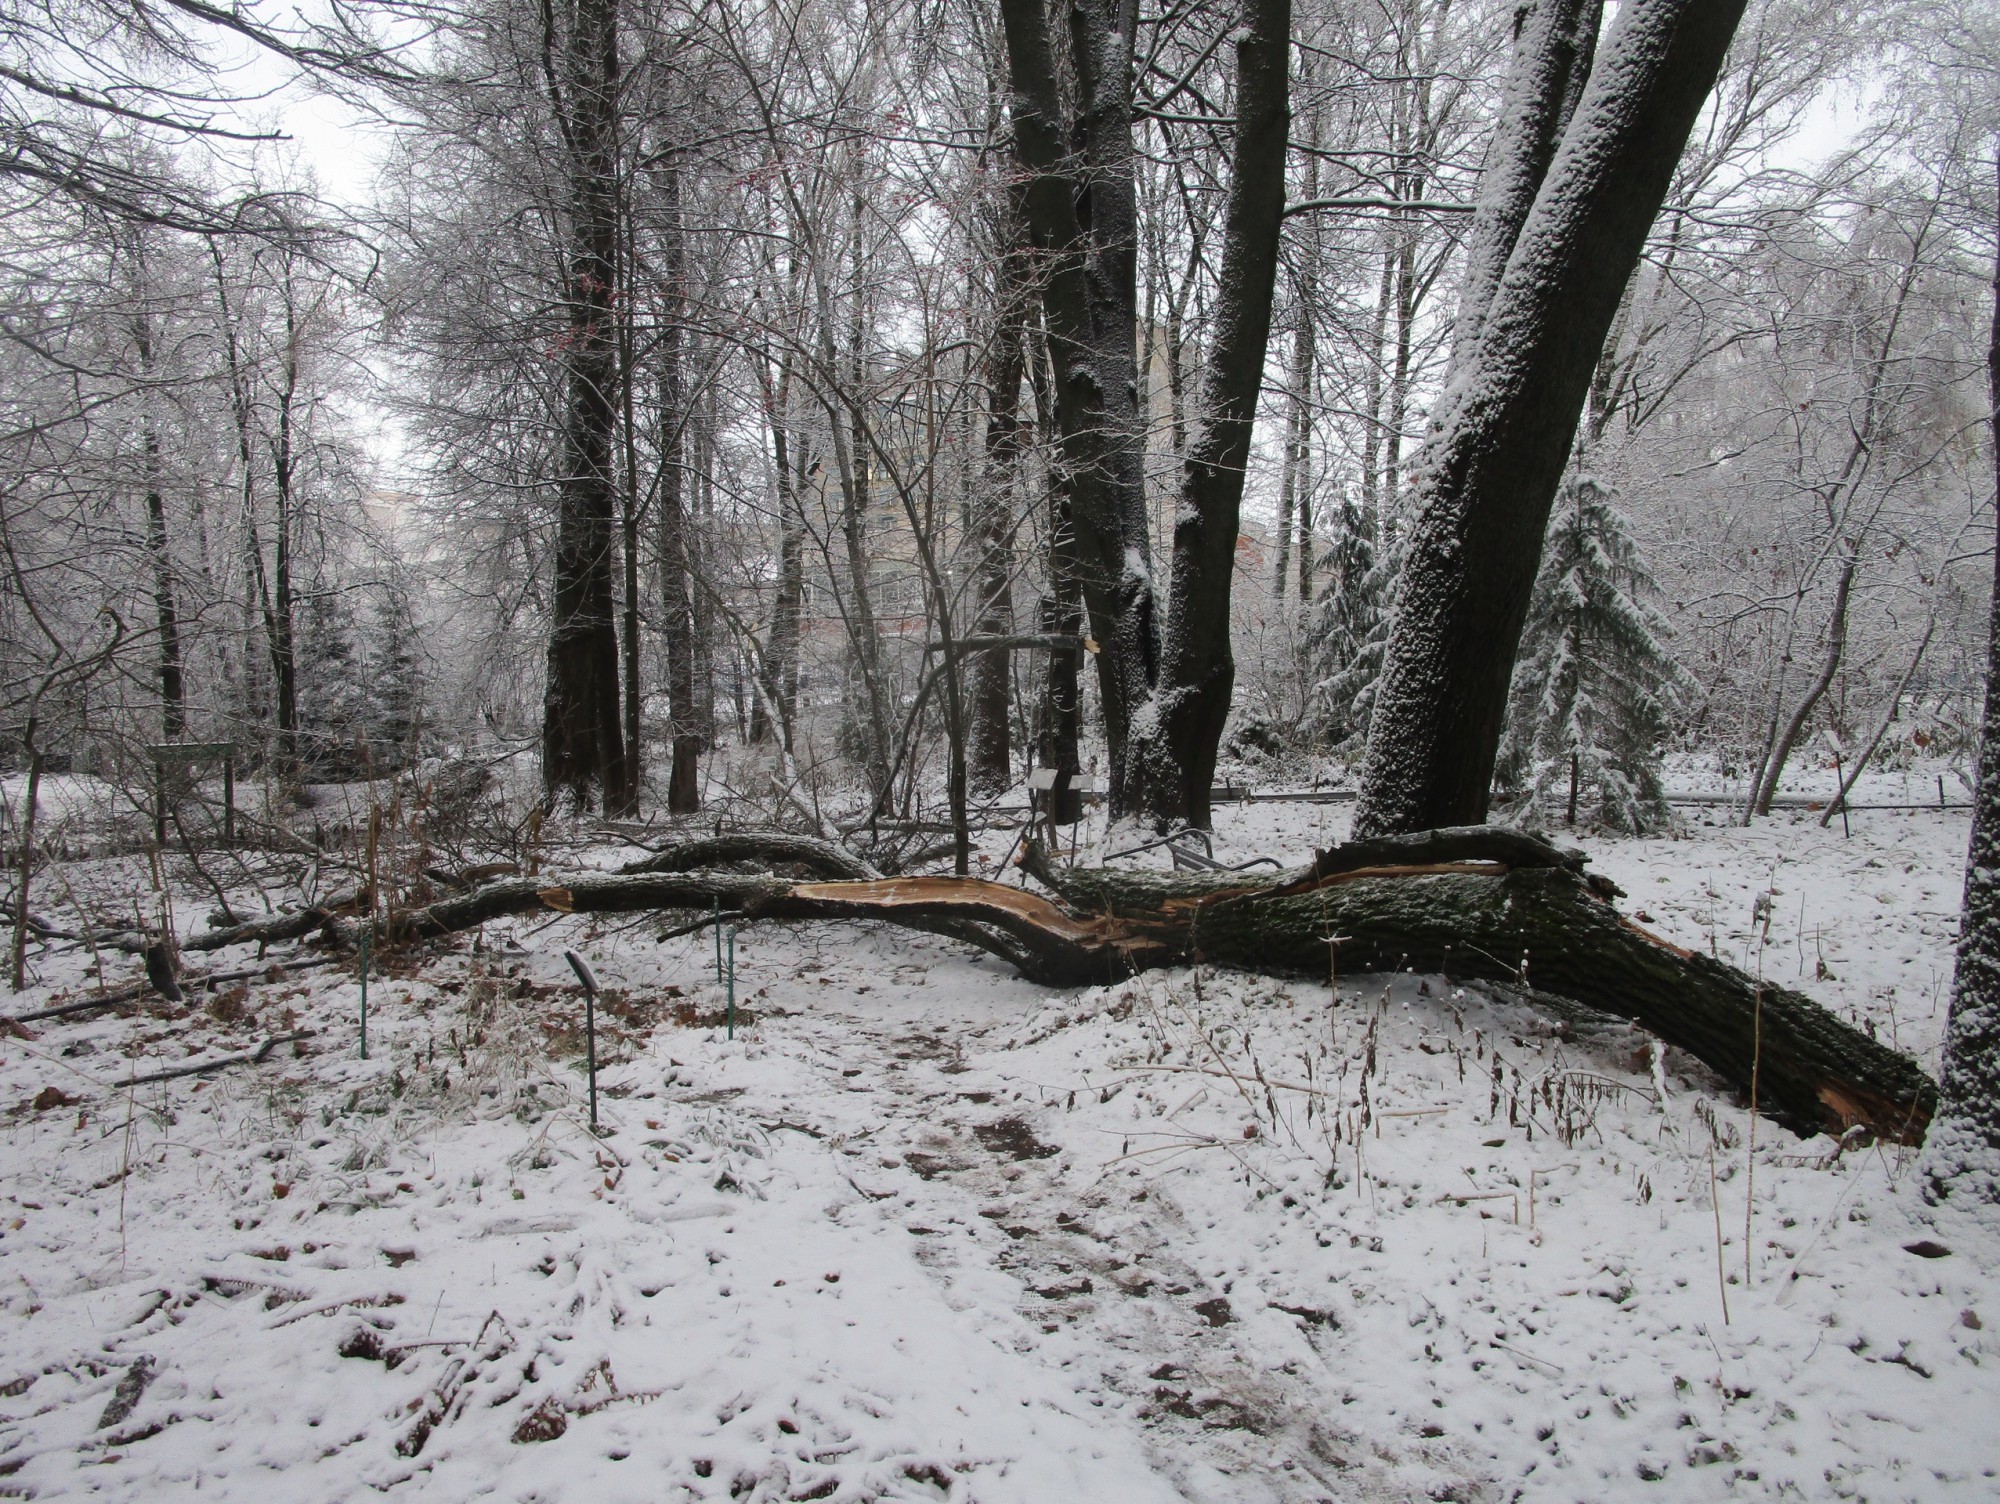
(1472,904)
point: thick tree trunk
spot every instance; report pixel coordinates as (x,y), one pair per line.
(1174,743)
(1554,43)
(1964,1158)
(1477,904)
(1081,211)
(583,748)
(1498,453)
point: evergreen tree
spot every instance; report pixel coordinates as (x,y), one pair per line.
(1594,686)
(395,678)
(1350,629)
(333,697)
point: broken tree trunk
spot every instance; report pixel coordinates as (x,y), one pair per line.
(1473,904)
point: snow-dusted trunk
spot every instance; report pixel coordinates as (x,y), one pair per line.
(1964,1153)
(1174,743)
(583,747)
(1554,41)
(677,625)
(777,668)
(1295,478)
(166,613)
(284,636)
(1081,213)
(993,518)
(1497,454)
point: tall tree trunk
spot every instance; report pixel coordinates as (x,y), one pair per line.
(1964,1153)
(1059,717)
(699,567)
(1174,746)
(1505,434)
(1554,44)
(257,599)
(676,600)
(1281,568)
(782,662)
(1081,212)
(852,456)
(582,740)
(993,519)
(284,636)
(166,613)
(1374,494)
(24,874)
(631,512)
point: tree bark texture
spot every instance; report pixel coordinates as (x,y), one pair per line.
(1175,741)
(1498,450)
(166,613)
(284,636)
(990,753)
(583,749)
(1555,41)
(1475,904)
(24,876)
(677,627)
(1964,1156)
(1081,210)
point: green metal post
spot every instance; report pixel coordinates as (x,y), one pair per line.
(732,981)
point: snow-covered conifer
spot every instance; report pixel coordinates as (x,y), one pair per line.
(333,698)
(1595,685)
(1350,628)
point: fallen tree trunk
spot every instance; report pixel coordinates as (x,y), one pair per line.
(1472,904)
(1539,925)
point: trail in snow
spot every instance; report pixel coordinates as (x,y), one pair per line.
(922,1231)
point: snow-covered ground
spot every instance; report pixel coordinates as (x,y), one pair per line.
(924,1231)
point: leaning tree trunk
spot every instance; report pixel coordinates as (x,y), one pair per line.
(1497,455)
(1554,44)
(1174,744)
(1477,904)
(1964,1155)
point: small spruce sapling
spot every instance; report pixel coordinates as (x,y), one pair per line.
(1594,684)
(1349,634)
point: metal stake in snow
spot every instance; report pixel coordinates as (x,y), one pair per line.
(718,941)
(367,946)
(732,981)
(589,979)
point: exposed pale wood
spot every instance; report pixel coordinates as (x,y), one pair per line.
(1471,904)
